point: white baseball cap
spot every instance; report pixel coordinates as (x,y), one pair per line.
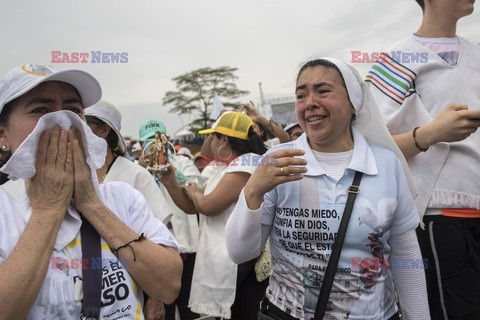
(291,125)
(22,79)
(106,112)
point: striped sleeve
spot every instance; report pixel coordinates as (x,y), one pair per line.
(392,78)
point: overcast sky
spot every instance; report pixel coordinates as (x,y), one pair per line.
(265,39)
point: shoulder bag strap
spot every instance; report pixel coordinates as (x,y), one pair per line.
(337,249)
(92,277)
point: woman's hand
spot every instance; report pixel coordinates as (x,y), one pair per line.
(167,178)
(154,309)
(190,189)
(175,191)
(252,112)
(277,167)
(84,193)
(144,160)
(257,117)
(51,188)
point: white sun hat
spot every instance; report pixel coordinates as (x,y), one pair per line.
(106,112)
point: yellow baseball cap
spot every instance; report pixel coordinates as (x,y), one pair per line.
(231,124)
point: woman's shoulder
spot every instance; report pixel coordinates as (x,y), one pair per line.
(381,151)
(385,158)
(247,162)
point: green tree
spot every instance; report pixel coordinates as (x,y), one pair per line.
(195,91)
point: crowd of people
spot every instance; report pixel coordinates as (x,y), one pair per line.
(365,208)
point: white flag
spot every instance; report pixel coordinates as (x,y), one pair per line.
(217,108)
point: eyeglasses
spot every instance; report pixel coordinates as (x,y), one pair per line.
(296,134)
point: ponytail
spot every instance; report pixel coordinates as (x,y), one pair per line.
(253,144)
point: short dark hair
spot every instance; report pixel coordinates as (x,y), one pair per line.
(5,155)
(7,109)
(421,4)
(266,133)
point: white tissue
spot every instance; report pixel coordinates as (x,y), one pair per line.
(22,162)
(21,165)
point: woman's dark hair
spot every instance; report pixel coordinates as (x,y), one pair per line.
(5,155)
(112,141)
(421,4)
(320,63)
(266,133)
(253,144)
(5,114)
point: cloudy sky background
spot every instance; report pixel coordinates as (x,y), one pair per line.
(265,39)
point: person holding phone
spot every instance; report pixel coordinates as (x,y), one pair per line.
(429,96)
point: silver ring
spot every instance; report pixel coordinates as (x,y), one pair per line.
(281,169)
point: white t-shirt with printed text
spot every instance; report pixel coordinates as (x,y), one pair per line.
(60,296)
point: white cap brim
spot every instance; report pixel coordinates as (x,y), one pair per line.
(87,86)
(19,81)
(290,126)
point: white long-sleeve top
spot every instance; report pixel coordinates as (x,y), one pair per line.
(411,93)
(302,217)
